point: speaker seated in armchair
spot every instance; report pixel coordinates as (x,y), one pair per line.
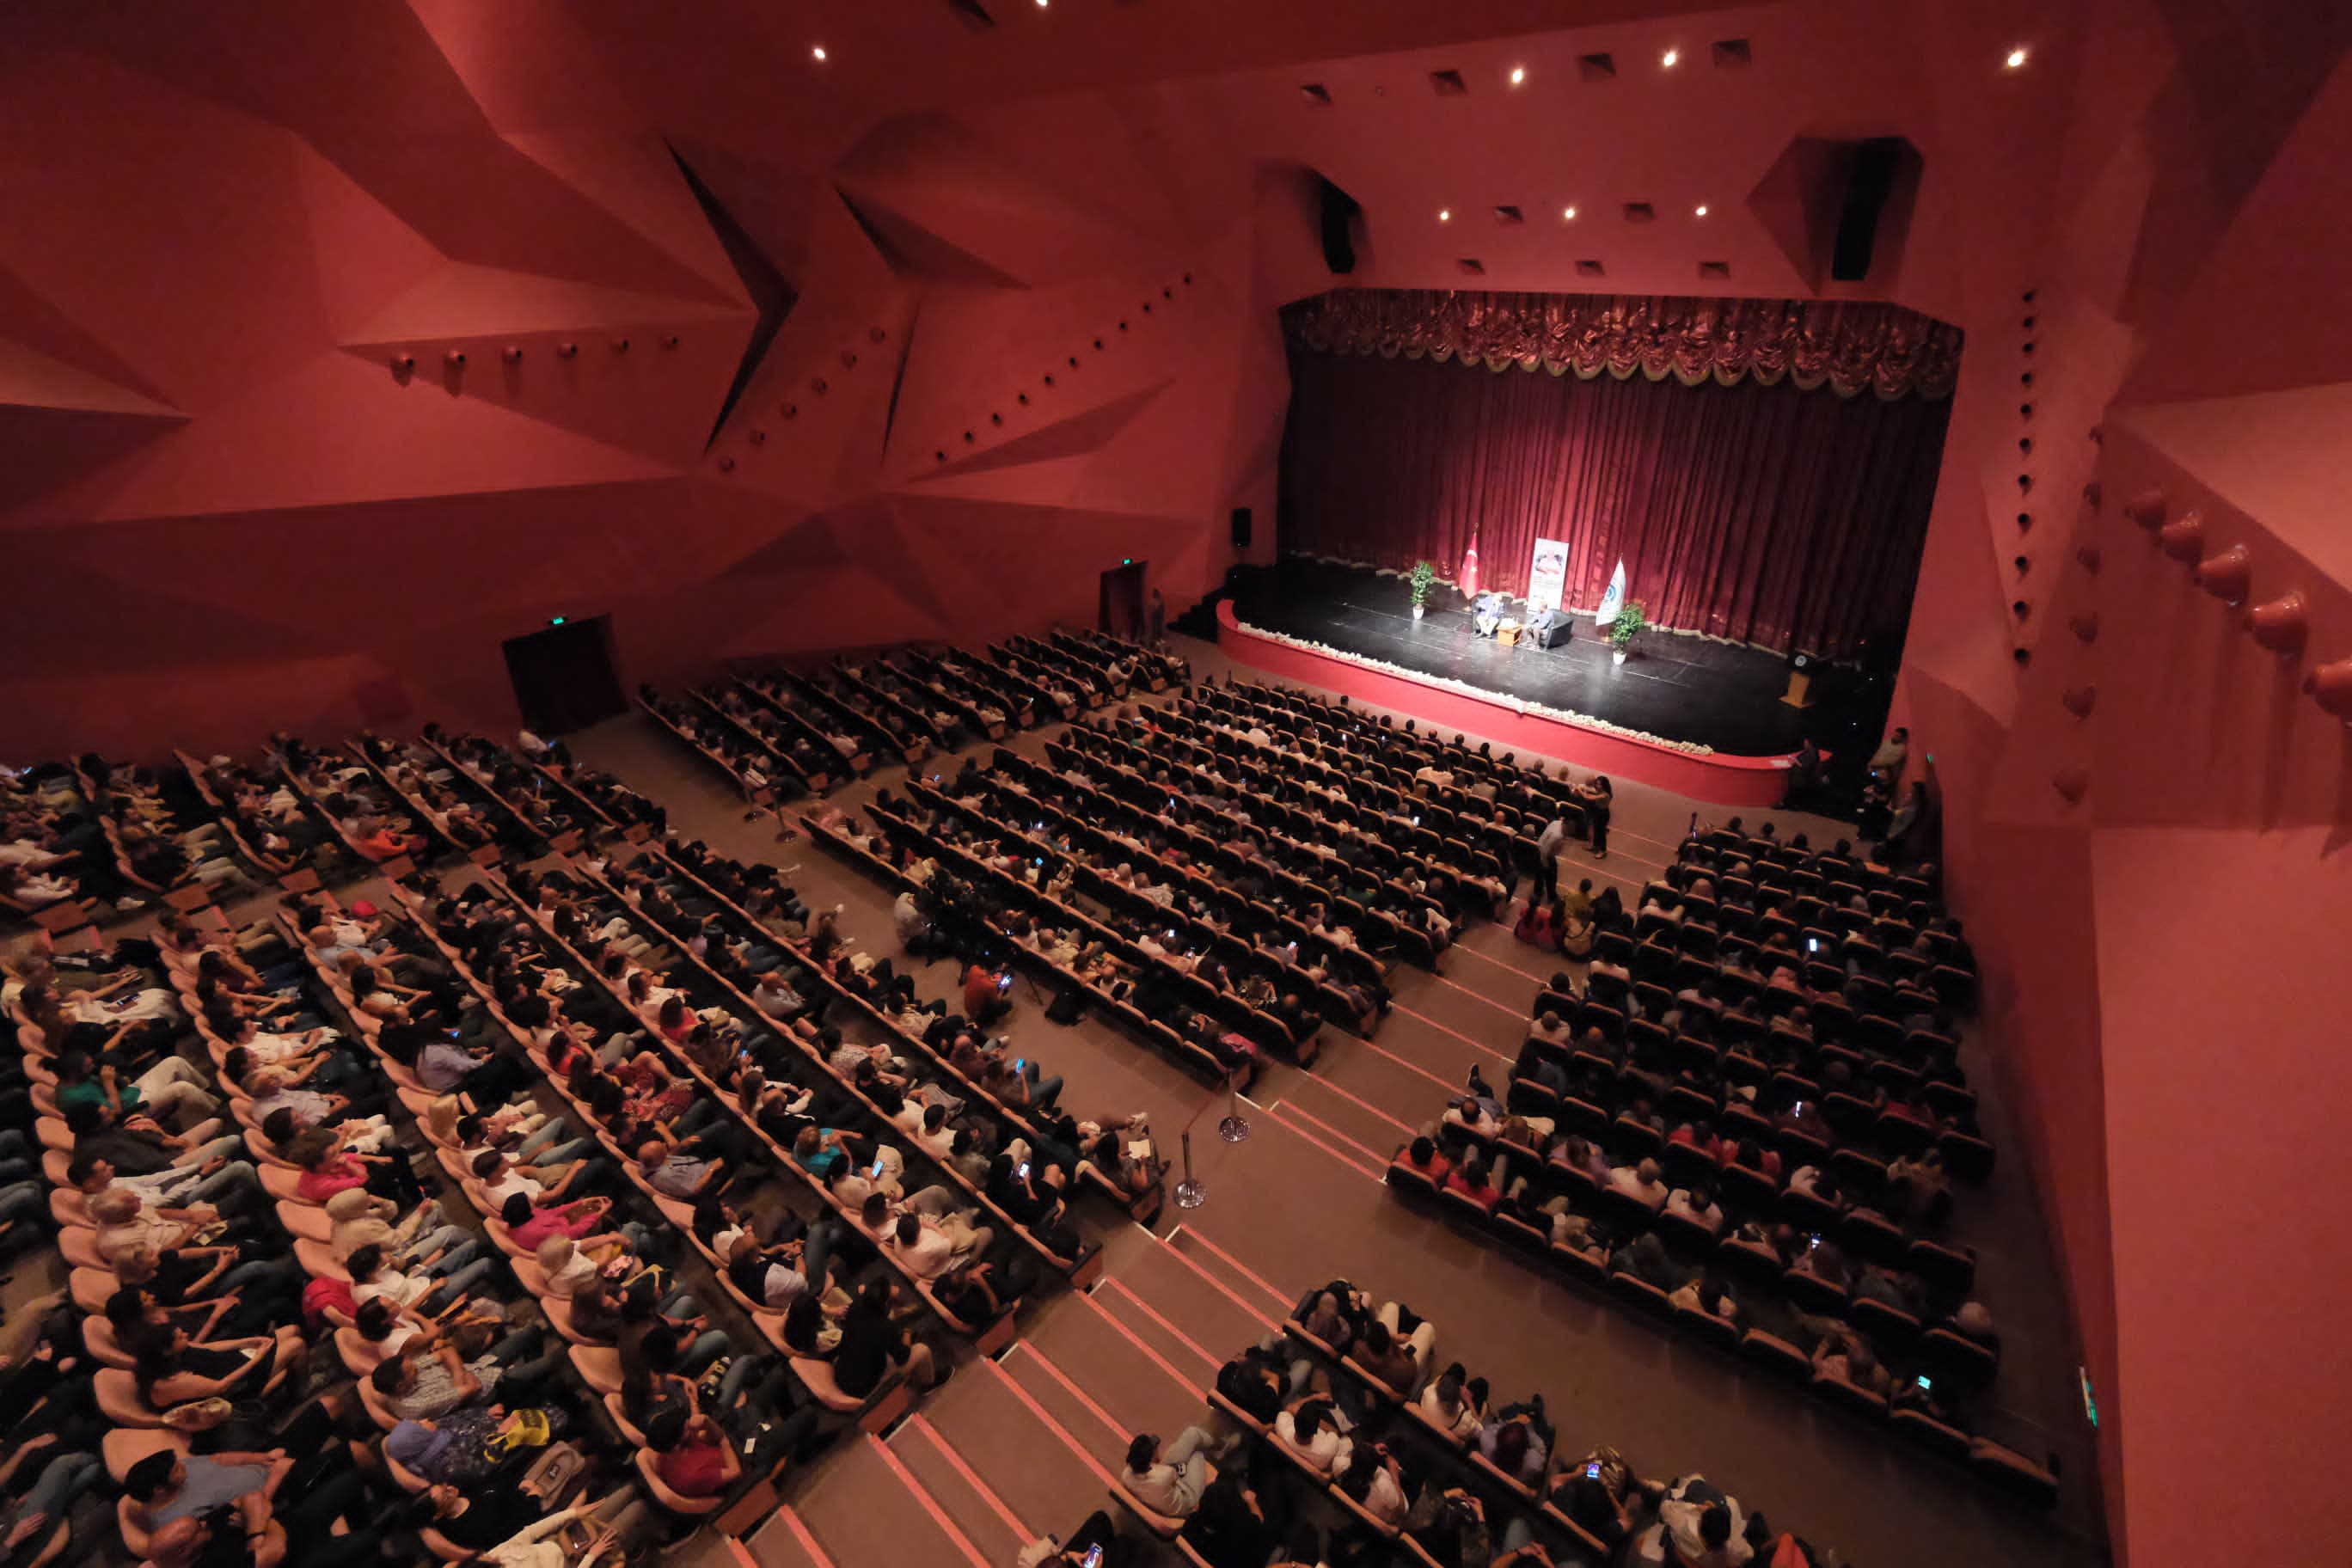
(1487,614)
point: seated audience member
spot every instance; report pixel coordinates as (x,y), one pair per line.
(1443,1401)
(1641,1183)
(696,1458)
(1698,1527)
(1307,1425)
(1421,1155)
(1255,1380)
(1168,1477)
(1229,1529)
(1603,1495)
(1096,1533)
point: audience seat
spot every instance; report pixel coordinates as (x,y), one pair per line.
(1850,1398)
(2013,1472)
(119,1401)
(1920,1427)
(1777,1355)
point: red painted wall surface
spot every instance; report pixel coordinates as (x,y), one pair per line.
(224,512)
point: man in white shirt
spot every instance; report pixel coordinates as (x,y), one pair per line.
(1168,1479)
(925,1126)
(1696,1207)
(1548,844)
(775,998)
(1442,1402)
(1640,1182)
(929,1247)
(1307,1426)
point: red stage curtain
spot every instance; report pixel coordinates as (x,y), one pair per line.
(1762,513)
(1854,346)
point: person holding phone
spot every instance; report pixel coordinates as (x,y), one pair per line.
(1094,1544)
(987,993)
(1017,1082)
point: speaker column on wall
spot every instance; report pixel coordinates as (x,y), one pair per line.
(1866,191)
(1241,528)
(1340,210)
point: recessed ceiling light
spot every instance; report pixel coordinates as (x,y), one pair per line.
(2016,59)
(818,51)
(1702,209)
(1445,215)
(1669,58)
(1518,75)
(1567,213)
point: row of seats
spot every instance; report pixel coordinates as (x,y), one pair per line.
(1065,821)
(1913,1374)
(1391,918)
(915,845)
(1145,991)
(1475,786)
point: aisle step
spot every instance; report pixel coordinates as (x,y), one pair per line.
(983,1516)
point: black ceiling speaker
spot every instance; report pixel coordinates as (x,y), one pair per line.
(1866,190)
(1340,210)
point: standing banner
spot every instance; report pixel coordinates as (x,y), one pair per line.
(1546,575)
(1612,601)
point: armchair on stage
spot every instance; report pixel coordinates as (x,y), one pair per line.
(1490,616)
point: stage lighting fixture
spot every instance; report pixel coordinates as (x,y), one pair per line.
(1569,214)
(1518,75)
(1701,209)
(1445,215)
(819,53)
(1669,58)
(2016,59)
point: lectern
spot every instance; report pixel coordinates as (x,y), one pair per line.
(1800,680)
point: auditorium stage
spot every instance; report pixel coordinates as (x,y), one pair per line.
(1721,696)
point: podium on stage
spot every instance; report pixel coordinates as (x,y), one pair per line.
(1801,681)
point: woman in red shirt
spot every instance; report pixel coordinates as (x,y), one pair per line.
(695,1457)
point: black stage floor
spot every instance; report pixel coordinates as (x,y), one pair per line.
(1720,694)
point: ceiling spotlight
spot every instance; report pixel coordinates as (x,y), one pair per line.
(1567,213)
(2016,59)
(1669,58)
(1519,73)
(1445,215)
(1701,209)
(818,51)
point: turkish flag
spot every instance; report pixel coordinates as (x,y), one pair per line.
(1467,578)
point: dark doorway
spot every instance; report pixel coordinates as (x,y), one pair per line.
(1121,613)
(563,678)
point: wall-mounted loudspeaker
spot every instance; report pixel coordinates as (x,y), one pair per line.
(1241,528)
(1340,210)
(1867,187)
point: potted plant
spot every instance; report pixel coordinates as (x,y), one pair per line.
(1623,629)
(1423,578)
